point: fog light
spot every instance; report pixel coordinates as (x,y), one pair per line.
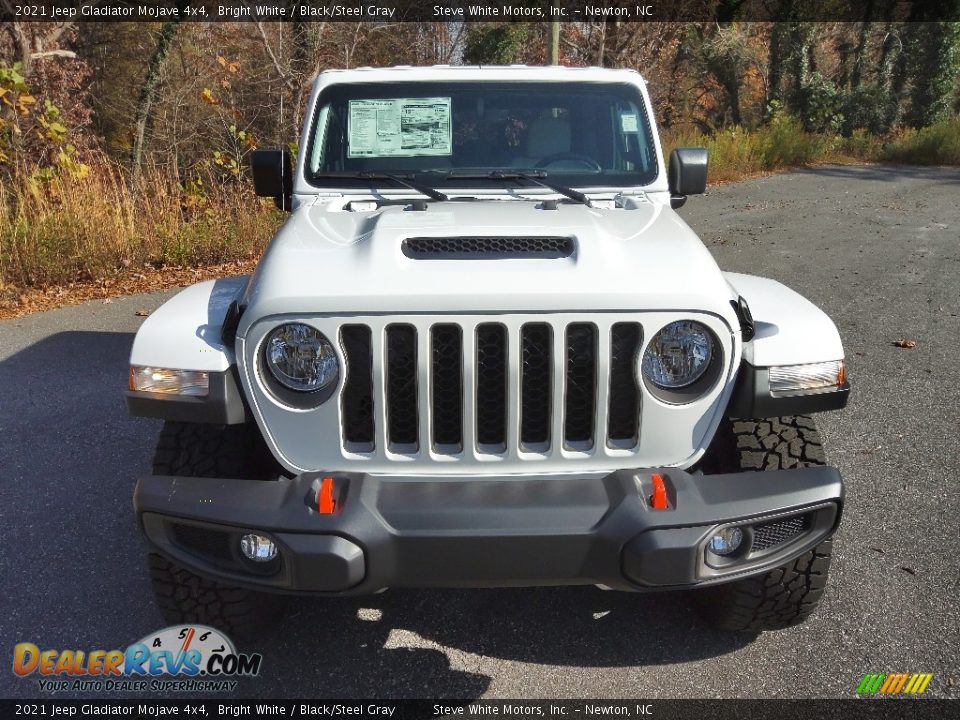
(726,541)
(258,548)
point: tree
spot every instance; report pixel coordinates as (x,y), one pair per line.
(495,43)
(147,92)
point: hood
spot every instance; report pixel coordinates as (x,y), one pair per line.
(330,260)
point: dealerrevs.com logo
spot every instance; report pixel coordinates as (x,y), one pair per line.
(894,683)
(177,658)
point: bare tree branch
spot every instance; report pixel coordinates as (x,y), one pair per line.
(53,53)
(288,81)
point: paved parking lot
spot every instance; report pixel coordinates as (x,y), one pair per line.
(878,248)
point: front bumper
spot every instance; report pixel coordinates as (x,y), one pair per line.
(489,532)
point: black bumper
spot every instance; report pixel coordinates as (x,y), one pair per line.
(470,532)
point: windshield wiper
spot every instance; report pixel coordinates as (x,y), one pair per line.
(535,176)
(399,179)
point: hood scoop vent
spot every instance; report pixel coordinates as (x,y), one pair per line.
(487,248)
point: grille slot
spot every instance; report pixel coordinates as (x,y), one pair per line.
(492,386)
(623,421)
(581,385)
(479,248)
(402,418)
(536,377)
(447,388)
(778,532)
(357,399)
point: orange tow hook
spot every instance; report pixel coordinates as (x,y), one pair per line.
(658,501)
(326,503)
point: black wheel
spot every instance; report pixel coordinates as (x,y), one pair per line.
(225,451)
(786,595)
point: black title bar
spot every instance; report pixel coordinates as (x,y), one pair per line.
(386,11)
(226,707)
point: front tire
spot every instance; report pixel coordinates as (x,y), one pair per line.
(786,595)
(224,451)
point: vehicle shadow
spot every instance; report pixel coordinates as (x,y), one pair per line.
(69,457)
(567,626)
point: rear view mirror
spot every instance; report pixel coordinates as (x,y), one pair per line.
(272,172)
(687,174)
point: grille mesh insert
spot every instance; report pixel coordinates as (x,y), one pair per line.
(491,384)
(447,385)
(358,387)
(535,384)
(624,415)
(581,383)
(402,385)
(779,531)
(478,248)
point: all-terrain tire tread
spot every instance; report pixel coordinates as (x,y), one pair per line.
(786,595)
(222,451)
(184,597)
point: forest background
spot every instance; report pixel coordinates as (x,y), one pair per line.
(123,145)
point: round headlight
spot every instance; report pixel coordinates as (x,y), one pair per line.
(678,355)
(301,358)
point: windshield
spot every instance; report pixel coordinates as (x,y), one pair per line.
(582,134)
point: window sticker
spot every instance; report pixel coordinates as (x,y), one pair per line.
(398,127)
(628,122)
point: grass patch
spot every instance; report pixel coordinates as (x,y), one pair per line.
(736,153)
(938,144)
(70,229)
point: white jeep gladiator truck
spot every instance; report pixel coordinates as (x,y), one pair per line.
(482,351)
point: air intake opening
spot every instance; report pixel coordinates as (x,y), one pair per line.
(402,418)
(447,388)
(536,379)
(491,387)
(581,385)
(357,398)
(778,532)
(623,418)
(480,248)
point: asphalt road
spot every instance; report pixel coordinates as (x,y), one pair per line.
(878,248)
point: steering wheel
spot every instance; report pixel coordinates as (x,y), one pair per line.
(585,160)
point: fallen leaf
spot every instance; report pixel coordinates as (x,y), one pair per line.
(905,343)
(142,313)
(107,301)
(908,570)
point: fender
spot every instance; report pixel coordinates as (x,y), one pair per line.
(790,330)
(185,333)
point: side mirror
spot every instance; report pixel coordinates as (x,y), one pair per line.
(687,174)
(273,175)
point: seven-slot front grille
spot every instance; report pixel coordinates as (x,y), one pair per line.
(448,388)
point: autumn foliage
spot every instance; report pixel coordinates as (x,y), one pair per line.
(123,145)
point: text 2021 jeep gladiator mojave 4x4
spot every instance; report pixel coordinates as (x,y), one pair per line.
(485,351)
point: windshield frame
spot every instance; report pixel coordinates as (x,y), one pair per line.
(605,180)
